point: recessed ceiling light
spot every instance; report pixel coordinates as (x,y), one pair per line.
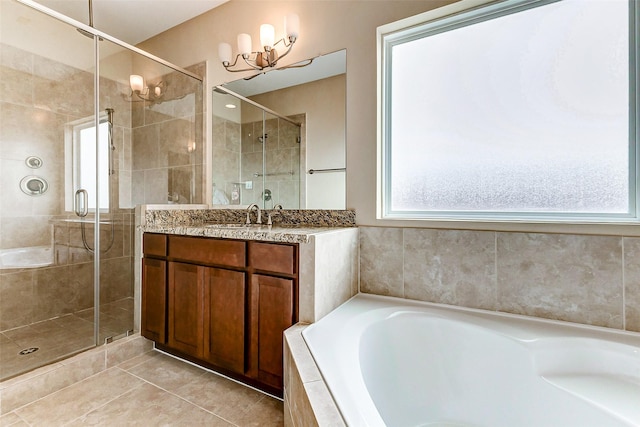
(230,106)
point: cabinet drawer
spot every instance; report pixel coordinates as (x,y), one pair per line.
(154,244)
(272,257)
(208,251)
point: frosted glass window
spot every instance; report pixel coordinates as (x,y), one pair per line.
(505,113)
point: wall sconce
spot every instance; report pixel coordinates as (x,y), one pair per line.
(261,59)
(140,92)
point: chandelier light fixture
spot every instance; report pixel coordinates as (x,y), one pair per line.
(142,92)
(268,57)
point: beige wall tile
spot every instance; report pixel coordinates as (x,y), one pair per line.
(381,261)
(301,359)
(145,142)
(288,418)
(450,267)
(15,289)
(336,273)
(323,405)
(174,144)
(156,185)
(564,277)
(306,279)
(632,283)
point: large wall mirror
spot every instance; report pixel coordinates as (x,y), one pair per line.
(279,137)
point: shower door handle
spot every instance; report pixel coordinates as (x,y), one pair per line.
(81,203)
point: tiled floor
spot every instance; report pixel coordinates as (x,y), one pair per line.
(57,338)
(151,390)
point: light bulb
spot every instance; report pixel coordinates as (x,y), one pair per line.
(136,82)
(224,52)
(244,44)
(292,25)
(267,35)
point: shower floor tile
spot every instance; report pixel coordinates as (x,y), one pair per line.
(60,337)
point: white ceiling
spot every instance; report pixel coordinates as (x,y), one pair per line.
(133,21)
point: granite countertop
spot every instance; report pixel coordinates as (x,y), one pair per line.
(292,226)
(265,233)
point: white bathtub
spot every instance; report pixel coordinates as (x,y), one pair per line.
(393,362)
(29,257)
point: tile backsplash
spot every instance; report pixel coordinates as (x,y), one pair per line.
(586,279)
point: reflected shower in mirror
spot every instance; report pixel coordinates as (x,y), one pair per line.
(279,137)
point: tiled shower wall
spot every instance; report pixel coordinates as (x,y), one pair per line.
(226,155)
(282,163)
(586,279)
(168,144)
(237,155)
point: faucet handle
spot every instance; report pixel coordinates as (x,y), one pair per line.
(248,222)
(269,219)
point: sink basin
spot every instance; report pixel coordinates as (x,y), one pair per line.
(227,226)
(234,225)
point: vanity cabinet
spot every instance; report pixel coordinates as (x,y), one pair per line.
(224,330)
(272,296)
(154,287)
(222,303)
(185,308)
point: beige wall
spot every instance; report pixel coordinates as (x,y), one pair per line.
(325,26)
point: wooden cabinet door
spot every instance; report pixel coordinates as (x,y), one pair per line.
(271,312)
(185,308)
(154,299)
(224,336)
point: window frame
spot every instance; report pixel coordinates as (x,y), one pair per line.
(465,13)
(73,143)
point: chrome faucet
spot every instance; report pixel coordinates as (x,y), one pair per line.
(251,208)
(276,207)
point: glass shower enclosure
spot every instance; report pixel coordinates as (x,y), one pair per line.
(89,127)
(256,153)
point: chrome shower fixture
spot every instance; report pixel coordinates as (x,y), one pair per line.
(85,32)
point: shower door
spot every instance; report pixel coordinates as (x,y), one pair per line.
(47,275)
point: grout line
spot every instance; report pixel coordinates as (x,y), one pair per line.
(108,402)
(215,373)
(181,397)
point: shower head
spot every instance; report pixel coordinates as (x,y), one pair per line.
(85,32)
